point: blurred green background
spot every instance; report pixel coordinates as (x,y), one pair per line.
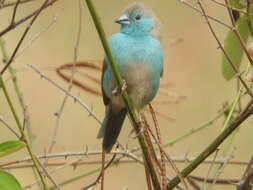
(192,67)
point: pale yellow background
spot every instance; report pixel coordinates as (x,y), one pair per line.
(192,67)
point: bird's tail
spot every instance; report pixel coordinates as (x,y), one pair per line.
(111,127)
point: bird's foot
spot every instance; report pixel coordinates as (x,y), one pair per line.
(116,91)
(124,86)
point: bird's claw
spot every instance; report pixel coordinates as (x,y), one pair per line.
(117,90)
(124,86)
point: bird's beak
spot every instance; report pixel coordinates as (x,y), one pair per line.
(123,20)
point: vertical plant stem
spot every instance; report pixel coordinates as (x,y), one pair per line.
(125,96)
(17,90)
(23,136)
(20,97)
(249,2)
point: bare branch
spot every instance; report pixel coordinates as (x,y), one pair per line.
(5,5)
(208,16)
(23,37)
(76,99)
(8,126)
(246,182)
(14,25)
(235,30)
(223,50)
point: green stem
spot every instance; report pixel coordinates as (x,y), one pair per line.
(19,95)
(132,114)
(232,109)
(214,145)
(16,87)
(249,17)
(23,136)
(228,144)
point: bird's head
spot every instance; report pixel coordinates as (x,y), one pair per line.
(138,20)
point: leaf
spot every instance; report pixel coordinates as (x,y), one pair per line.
(9,147)
(233,48)
(239,4)
(8,182)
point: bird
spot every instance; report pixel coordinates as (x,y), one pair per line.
(139,55)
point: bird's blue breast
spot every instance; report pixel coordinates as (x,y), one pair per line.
(140,61)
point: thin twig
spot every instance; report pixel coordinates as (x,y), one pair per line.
(9,127)
(227,181)
(23,135)
(18,91)
(199,11)
(168,158)
(235,30)
(248,111)
(23,37)
(35,37)
(146,129)
(223,50)
(72,163)
(18,163)
(56,185)
(5,5)
(222,167)
(210,168)
(14,12)
(59,113)
(22,20)
(100,175)
(230,7)
(193,183)
(159,138)
(247,178)
(75,98)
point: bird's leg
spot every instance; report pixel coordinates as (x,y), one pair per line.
(116,91)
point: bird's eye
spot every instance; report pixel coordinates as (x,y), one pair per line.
(138,17)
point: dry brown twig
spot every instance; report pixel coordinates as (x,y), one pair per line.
(247,179)
(151,149)
(134,159)
(59,113)
(222,181)
(5,5)
(100,175)
(208,16)
(71,163)
(159,138)
(9,127)
(75,98)
(167,156)
(223,50)
(23,35)
(22,20)
(236,32)
(193,183)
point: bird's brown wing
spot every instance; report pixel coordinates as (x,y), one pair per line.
(105,98)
